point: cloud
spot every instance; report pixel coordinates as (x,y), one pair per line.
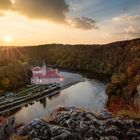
(127,25)
(5,5)
(132,31)
(82,23)
(126,17)
(54,10)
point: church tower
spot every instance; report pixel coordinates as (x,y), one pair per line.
(44,70)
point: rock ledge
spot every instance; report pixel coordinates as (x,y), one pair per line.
(77,124)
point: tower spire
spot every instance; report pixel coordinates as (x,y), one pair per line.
(44,64)
(44,70)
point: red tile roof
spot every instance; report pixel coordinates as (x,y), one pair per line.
(51,73)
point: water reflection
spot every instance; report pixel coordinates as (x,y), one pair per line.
(89,94)
(43,102)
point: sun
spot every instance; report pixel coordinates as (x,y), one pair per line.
(7,38)
(13,1)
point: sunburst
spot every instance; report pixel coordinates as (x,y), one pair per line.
(7,39)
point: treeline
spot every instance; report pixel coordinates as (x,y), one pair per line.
(13,76)
(119,60)
(108,59)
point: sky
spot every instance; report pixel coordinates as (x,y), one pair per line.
(33,22)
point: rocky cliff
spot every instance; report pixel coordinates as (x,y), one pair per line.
(78,124)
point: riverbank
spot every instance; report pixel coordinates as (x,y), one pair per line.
(25,97)
(105,78)
(78,124)
(22,97)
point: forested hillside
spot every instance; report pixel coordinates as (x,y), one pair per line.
(13,76)
(119,60)
(108,59)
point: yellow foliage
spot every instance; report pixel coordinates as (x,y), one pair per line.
(129,113)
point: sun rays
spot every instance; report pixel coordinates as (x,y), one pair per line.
(8,54)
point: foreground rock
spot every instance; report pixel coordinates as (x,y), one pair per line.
(7,129)
(77,124)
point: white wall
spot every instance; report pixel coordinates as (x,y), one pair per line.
(45,80)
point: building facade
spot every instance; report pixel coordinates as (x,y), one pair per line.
(45,75)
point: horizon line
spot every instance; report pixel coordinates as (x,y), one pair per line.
(90,44)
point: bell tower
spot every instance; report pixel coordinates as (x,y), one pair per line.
(44,68)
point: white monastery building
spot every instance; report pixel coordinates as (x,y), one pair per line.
(45,75)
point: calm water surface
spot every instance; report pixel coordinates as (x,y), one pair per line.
(88,94)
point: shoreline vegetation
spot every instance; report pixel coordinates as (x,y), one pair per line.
(118,60)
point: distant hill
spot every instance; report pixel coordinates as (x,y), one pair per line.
(119,60)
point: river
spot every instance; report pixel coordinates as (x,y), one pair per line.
(84,93)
